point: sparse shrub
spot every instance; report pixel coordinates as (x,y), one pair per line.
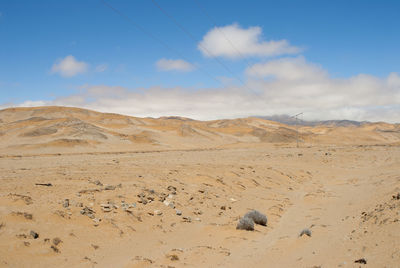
(245,224)
(257,217)
(305,231)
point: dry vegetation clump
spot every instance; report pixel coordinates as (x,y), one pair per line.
(257,217)
(245,224)
(305,231)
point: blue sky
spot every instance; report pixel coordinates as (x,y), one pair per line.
(341,39)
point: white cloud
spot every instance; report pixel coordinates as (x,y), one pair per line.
(69,67)
(283,86)
(287,69)
(33,103)
(174,65)
(232,41)
(101,68)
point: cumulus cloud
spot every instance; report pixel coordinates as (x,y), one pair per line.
(174,65)
(69,67)
(280,86)
(287,69)
(232,41)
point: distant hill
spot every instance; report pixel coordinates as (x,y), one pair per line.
(286,119)
(64,129)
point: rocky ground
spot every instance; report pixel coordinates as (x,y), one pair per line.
(180,208)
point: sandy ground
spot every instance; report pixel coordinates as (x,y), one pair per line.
(180,208)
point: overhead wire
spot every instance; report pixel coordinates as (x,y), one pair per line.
(213,22)
(191,36)
(148,33)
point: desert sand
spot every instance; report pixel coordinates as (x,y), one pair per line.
(86,189)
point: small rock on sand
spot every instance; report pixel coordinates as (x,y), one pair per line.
(158,212)
(109,187)
(34,234)
(362,261)
(56,241)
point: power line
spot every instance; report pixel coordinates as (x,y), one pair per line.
(213,22)
(297,127)
(148,33)
(191,36)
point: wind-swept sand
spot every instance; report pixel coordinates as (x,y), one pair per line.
(169,192)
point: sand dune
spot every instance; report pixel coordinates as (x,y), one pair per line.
(86,189)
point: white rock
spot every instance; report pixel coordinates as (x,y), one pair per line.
(158,212)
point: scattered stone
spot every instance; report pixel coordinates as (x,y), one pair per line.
(88,212)
(95,246)
(25,198)
(257,217)
(46,240)
(44,184)
(34,234)
(26,215)
(362,261)
(305,231)
(198,212)
(56,241)
(158,212)
(162,197)
(396,197)
(87,191)
(142,199)
(21,236)
(109,187)
(172,189)
(178,212)
(96,221)
(63,214)
(223,207)
(27,244)
(2,225)
(55,249)
(107,207)
(173,257)
(127,207)
(97,182)
(186,219)
(66,203)
(140,258)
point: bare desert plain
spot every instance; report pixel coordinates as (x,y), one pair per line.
(86,189)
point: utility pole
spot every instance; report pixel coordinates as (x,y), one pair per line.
(297,127)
